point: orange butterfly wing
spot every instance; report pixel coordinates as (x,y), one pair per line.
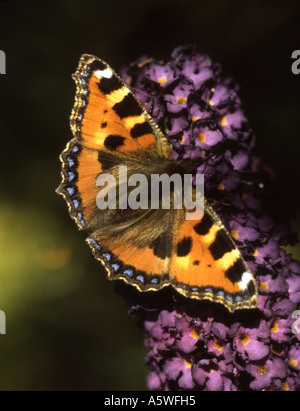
(141,268)
(206,265)
(106,116)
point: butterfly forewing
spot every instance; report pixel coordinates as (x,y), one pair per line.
(106,114)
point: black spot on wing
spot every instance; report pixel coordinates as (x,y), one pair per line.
(141,129)
(251,288)
(160,246)
(127,107)
(113,141)
(221,245)
(203,227)
(234,273)
(97,65)
(184,247)
(108,85)
(104,124)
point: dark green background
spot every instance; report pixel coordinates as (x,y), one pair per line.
(66,326)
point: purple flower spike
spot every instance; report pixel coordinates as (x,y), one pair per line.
(199,345)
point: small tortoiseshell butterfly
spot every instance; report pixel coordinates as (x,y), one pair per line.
(149,249)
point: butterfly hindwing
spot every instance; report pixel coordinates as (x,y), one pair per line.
(200,260)
(142,268)
(79,172)
(206,264)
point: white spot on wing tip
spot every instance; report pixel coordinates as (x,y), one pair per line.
(107,73)
(246,278)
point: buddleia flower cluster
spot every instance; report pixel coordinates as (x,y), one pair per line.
(199,345)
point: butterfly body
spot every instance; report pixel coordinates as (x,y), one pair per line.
(148,248)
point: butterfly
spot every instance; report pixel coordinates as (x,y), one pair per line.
(147,248)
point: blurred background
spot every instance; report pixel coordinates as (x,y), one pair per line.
(67,329)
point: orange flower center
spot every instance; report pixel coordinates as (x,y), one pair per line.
(162,80)
(264,286)
(234,234)
(245,339)
(285,386)
(181,100)
(195,334)
(201,137)
(294,363)
(262,370)
(218,345)
(187,363)
(275,328)
(223,121)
